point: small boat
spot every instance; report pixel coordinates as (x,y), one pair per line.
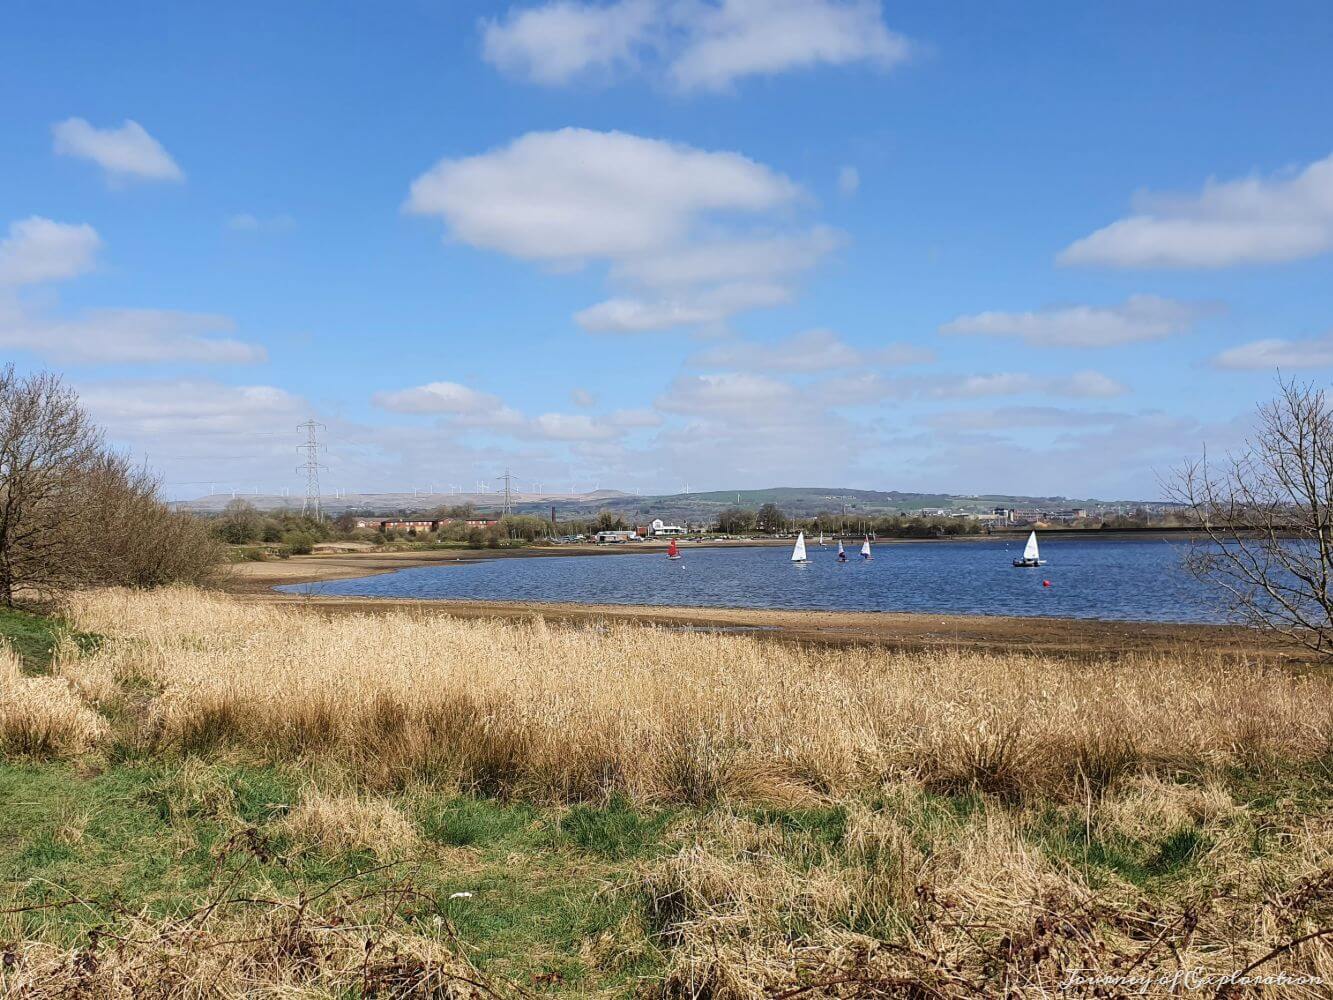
(842,555)
(1031,555)
(798,550)
(865,548)
(672,551)
(821,539)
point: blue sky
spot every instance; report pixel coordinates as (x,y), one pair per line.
(652,244)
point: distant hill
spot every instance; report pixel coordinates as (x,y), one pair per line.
(795,501)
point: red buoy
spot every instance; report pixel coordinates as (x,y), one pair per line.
(1045,583)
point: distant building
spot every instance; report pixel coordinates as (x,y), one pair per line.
(660,530)
(615,537)
(418,525)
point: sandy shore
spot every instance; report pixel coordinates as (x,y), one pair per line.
(1053,636)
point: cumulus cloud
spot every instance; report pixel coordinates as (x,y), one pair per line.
(1251,221)
(125,152)
(665,218)
(148,409)
(557,42)
(574,195)
(38,249)
(810,351)
(1139,318)
(1314,352)
(470,407)
(695,45)
(125,336)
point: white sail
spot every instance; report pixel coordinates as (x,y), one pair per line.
(840,548)
(865,548)
(821,539)
(798,553)
(1030,550)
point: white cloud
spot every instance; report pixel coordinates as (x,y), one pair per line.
(739,38)
(1315,352)
(128,151)
(810,351)
(572,195)
(440,397)
(471,408)
(849,181)
(695,308)
(554,43)
(664,217)
(572,427)
(1251,221)
(143,409)
(1015,417)
(1083,384)
(695,44)
(39,249)
(112,336)
(1139,318)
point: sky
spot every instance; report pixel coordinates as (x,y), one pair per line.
(669,245)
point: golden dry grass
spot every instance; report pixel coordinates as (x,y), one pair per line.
(995,824)
(579,713)
(43,716)
(349,822)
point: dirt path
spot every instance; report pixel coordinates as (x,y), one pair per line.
(1052,636)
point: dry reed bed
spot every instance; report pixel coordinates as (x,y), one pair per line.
(978,910)
(576,713)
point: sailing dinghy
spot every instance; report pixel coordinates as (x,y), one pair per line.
(1031,555)
(798,551)
(842,555)
(672,551)
(865,548)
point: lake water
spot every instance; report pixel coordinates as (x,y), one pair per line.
(1111,578)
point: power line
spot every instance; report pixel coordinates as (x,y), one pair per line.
(312,447)
(509,482)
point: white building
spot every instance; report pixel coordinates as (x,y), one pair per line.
(658,529)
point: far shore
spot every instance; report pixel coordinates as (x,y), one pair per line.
(1063,637)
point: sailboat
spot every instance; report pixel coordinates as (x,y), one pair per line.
(798,551)
(672,551)
(865,548)
(842,555)
(1031,556)
(821,539)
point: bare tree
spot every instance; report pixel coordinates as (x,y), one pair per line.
(1268,514)
(72,512)
(46,443)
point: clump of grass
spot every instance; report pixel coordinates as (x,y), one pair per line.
(366,943)
(43,716)
(341,823)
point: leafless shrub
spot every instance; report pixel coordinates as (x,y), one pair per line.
(1268,513)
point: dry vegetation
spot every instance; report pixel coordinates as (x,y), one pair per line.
(846,823)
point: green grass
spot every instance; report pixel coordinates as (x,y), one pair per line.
(34,637)
(158,838)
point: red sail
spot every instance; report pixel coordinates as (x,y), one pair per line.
(672,550)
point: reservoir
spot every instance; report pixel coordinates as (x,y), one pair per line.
(1123,579)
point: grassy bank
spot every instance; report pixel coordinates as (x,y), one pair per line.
(239,797)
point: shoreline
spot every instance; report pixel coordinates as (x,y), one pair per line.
(1071,638)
